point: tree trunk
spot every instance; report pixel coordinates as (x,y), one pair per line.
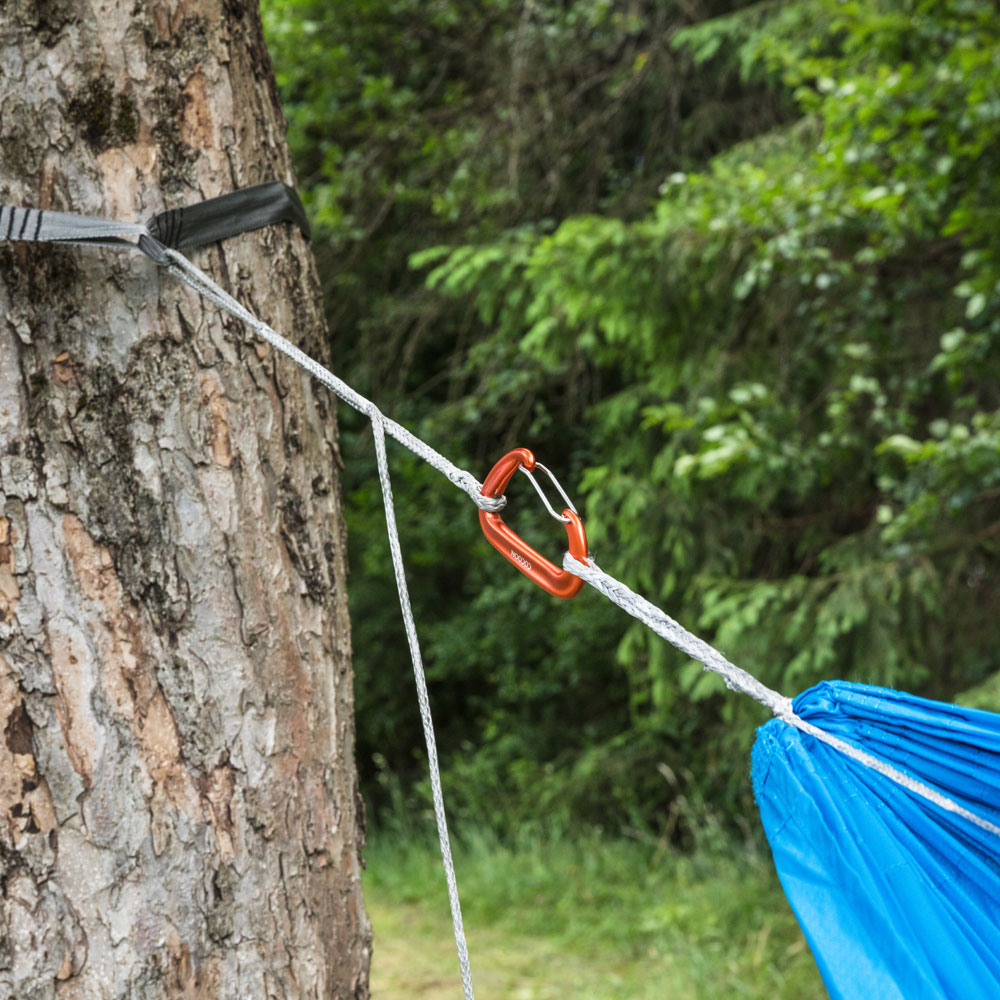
(179,814)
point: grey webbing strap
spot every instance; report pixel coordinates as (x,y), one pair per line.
(40,226)
(192,225)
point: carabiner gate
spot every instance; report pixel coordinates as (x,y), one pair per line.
(536,567)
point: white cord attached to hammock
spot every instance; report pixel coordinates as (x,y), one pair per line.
(31,224)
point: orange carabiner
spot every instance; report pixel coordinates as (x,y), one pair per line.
(534,566)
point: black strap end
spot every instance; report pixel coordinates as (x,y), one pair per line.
(230,215)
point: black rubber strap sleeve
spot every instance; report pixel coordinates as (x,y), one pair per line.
(229,215)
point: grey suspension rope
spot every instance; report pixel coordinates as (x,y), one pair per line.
(31,224)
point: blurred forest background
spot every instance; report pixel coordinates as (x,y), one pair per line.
(733,272)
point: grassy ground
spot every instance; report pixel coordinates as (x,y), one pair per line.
(591,919)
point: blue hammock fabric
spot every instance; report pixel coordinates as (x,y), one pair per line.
(897,897)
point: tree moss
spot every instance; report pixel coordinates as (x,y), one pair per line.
(166,109)
(103,119)
(126,124)
(92,111)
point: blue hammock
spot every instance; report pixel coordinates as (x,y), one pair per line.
(897,897)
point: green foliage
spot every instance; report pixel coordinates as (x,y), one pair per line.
(760,331)
(812,476)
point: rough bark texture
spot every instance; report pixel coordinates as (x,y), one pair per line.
(179,813)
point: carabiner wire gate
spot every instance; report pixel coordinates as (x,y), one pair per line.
(545,499)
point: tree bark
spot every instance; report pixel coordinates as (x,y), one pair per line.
(179,814)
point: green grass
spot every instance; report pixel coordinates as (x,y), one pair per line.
(586,919)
